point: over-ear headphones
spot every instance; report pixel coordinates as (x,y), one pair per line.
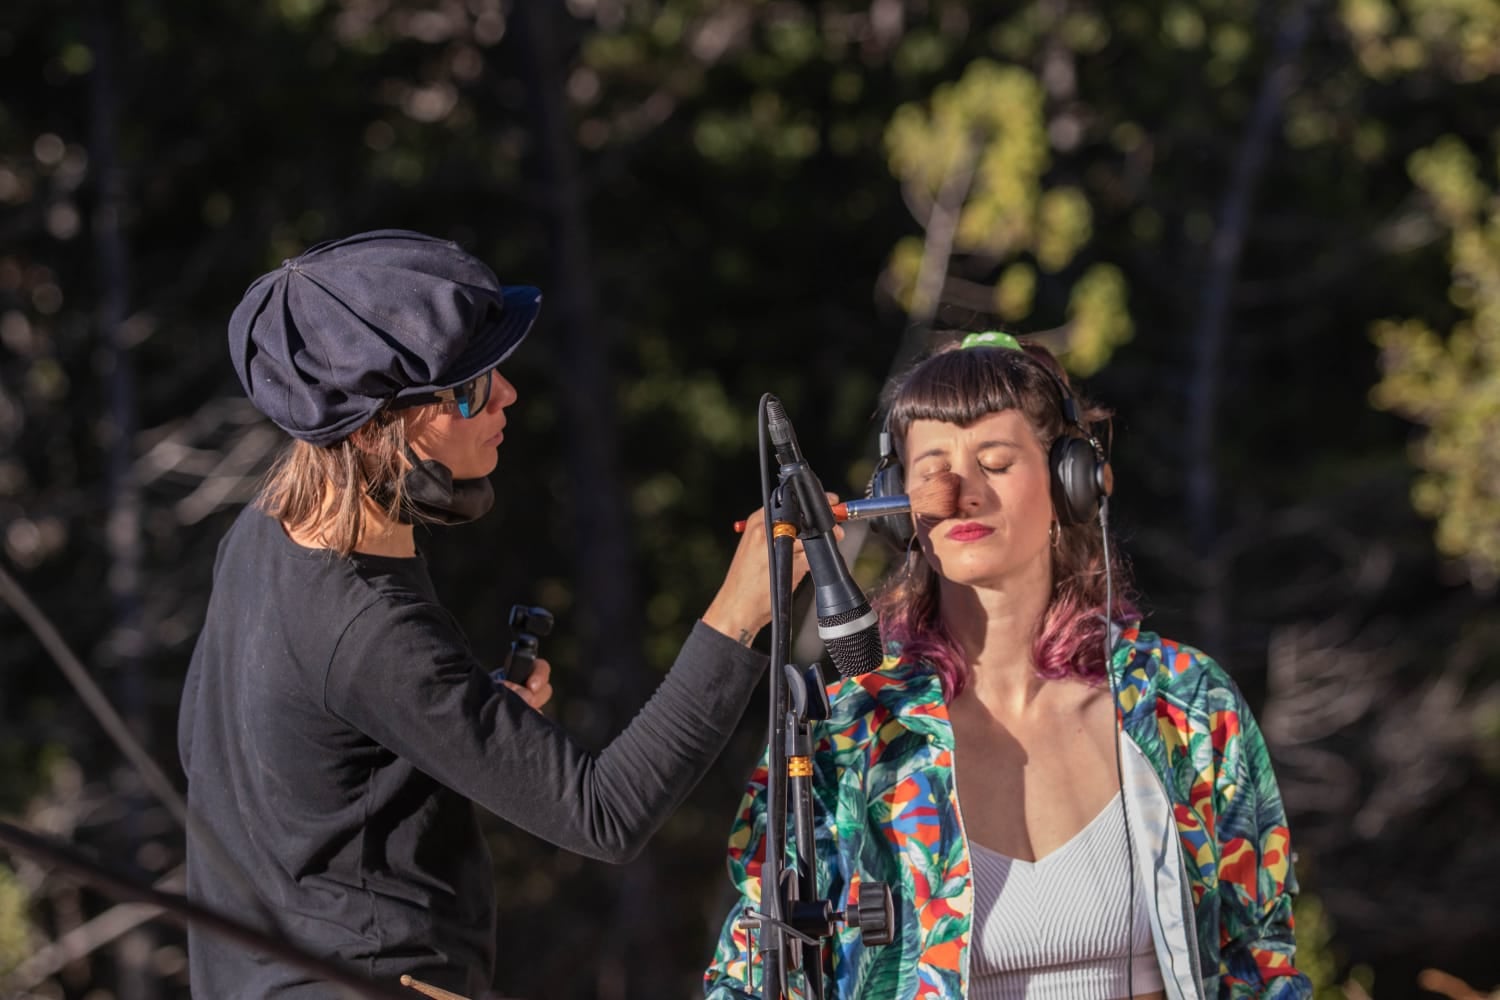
(1080,471)
(888,480)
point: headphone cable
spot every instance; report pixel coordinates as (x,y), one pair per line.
(1109,648)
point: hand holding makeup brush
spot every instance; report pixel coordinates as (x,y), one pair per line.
(742,606)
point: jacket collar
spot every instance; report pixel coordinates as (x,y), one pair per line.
(901,688)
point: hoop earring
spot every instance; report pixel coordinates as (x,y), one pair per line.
(1054,534)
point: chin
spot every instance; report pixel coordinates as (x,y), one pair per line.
(477,469)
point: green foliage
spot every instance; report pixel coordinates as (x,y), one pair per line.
(1182,26)
(1015,291)
(1459,38)
(1098,320)
(993,116)
(1450,382)
(299,11)
(1487,735)
(15,927)
(764,128)
(1063,227)
(1316,954)
(991,124)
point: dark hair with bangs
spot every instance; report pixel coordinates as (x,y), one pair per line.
(961,386)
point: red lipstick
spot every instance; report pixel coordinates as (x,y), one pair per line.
(968,531)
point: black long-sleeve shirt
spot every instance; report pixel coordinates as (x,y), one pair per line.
(336,731)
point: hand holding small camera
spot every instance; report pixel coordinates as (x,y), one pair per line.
(523,672)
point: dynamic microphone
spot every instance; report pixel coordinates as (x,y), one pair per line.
(846,624)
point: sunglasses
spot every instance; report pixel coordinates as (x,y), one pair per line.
(471,396)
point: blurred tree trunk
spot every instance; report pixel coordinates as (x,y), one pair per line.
(607,602)
(1209,335)
(124,648)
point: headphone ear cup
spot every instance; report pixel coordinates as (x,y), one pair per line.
(1077,475)
(888,480)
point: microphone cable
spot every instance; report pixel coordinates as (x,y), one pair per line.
(777,627)
(762,441)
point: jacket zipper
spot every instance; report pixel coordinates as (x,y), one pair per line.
(1189,935)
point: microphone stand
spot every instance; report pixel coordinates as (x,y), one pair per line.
(808,703)
(775,948)
(791,915)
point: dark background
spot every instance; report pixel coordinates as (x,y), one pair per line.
(1266,234)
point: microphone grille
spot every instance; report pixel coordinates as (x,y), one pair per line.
(856,653)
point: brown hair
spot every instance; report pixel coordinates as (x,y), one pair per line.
(960,386)
(324,489)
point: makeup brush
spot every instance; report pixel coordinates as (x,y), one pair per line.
(429,990)
(935,498)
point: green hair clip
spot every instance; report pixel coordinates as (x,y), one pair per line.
(990,338)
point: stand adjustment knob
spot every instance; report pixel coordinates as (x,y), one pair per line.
(874,914)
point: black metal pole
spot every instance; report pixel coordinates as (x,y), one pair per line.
(808,702)
(785,516)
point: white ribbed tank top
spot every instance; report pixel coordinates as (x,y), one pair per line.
(1055,928)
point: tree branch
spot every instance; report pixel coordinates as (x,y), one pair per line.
(1211,330)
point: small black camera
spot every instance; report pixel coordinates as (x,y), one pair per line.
(528,625)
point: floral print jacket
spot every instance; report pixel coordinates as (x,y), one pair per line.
(1208,829)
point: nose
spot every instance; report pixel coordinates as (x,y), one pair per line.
(502,393)
(970,488)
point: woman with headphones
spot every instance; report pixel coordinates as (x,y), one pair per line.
(1064,804)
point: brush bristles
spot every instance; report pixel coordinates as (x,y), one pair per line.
(935,498)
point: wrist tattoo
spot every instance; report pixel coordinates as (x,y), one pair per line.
(745,638)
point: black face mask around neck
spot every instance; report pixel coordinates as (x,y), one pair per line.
(432,496)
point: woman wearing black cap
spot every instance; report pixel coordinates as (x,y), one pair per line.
(336,729)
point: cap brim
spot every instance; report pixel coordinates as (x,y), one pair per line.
(498,340)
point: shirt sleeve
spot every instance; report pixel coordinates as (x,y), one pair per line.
(404,675)
(1256,879)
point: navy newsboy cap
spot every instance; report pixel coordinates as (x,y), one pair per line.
(352,325)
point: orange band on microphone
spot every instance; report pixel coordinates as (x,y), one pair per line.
(784,529)
(799,767)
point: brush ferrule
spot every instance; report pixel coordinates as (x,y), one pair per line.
(877,507)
